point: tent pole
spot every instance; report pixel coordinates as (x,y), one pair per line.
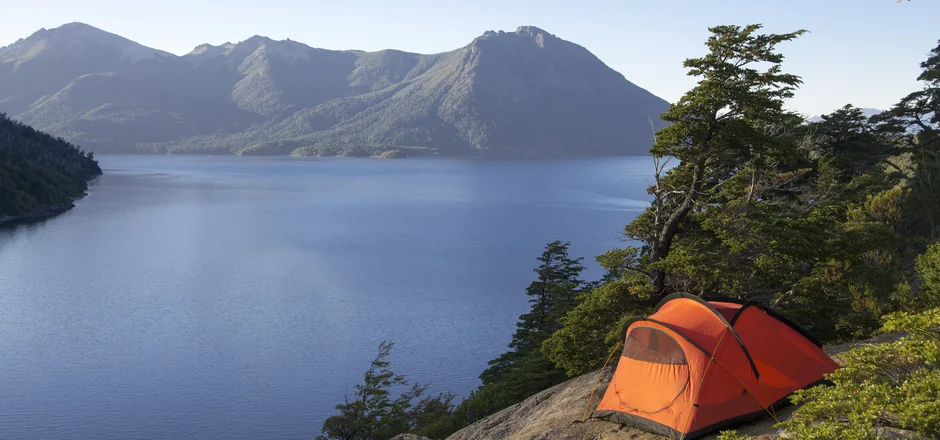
(772,415)
(711,358)
(594,388)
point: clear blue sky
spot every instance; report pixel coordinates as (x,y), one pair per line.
(864,52)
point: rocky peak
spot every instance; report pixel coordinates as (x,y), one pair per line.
(287,49)
(535,35)
(531,31)
(78,29)
(78,36)
(256,40)
(68,30)
(210,50)
(201,49)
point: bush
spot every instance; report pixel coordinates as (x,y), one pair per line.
(731,435)
(893,385)
(594,328)
(928,270)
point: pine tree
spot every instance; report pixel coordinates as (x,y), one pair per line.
(373,414)
(523,371)
(730,123)
(807,218)
(551,296)
(915,123)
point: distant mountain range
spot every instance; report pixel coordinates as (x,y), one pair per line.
(522,93)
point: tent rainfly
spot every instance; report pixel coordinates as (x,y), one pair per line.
(698,365)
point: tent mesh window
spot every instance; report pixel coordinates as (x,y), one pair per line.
(651,345)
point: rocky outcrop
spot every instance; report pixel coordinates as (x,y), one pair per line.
(556,413)
(561,412)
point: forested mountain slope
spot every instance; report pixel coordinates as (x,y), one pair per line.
(39,175)
(522,93)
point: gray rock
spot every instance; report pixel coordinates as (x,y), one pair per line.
(894,433)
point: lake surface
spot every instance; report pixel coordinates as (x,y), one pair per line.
(240,298)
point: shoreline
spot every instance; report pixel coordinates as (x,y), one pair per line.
(43,213)
(35,216)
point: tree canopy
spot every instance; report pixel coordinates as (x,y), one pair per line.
(38,171)
(373,413)
(820,220)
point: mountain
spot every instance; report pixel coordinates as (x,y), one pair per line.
(39,175)
(522,93)
(42,64)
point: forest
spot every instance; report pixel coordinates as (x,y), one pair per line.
(833,223)
(40,175)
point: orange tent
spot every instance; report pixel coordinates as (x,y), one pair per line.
(699,365)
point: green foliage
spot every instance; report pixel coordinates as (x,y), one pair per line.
(39,172)
(806,217)
(525,370)
(925,185)
(803,232)
(374,414)
(819,220)
(895,385)
(928,267)
(731,435)
(592,329)
(914,122)
(822,221)
(728,128)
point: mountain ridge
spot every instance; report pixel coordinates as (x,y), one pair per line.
(522,93)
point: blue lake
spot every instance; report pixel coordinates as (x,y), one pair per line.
(240,298)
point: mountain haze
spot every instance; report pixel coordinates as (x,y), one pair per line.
(522,93)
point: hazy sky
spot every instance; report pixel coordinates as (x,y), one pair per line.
(864,52)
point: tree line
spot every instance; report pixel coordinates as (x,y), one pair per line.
(38,171)
(834,223)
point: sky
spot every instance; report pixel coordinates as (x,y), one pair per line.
(863,52)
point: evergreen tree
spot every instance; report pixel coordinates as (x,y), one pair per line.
(821,221)
(731,123)
(915,123)
(551,295)
(524,371)
(373,413)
